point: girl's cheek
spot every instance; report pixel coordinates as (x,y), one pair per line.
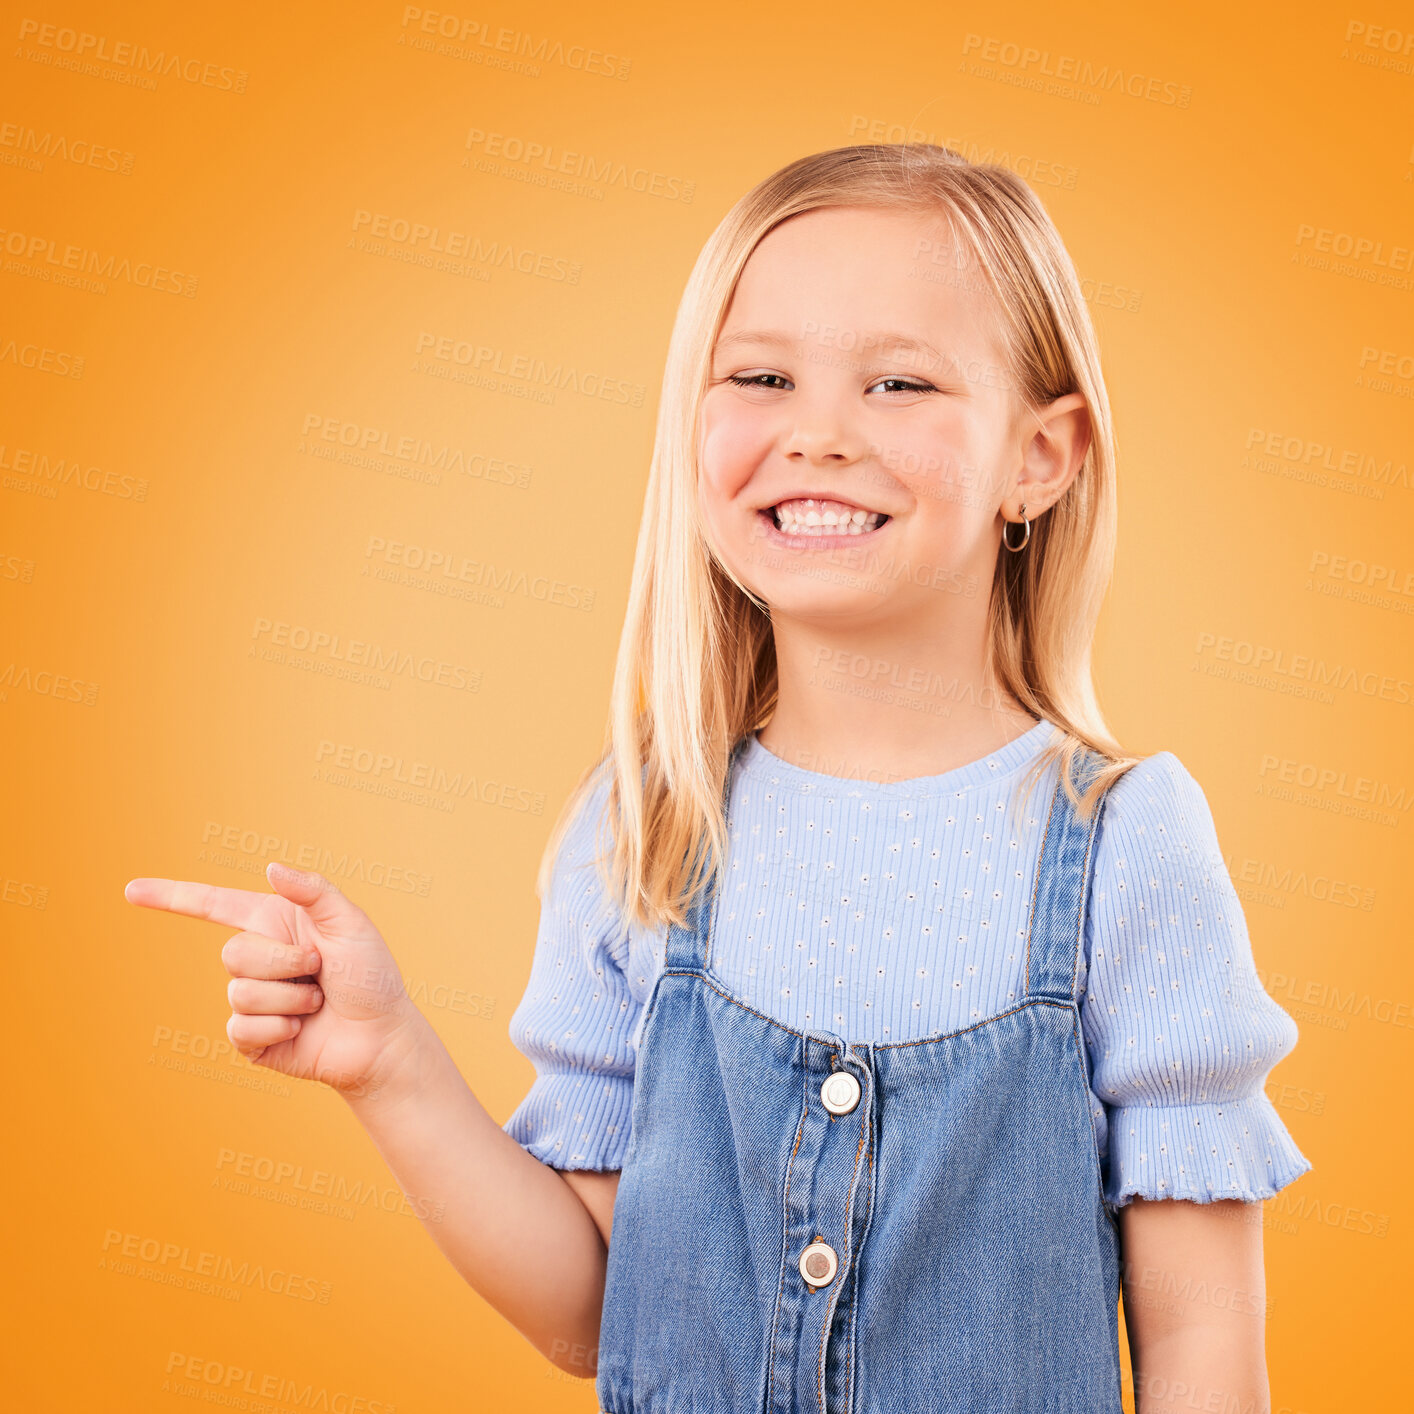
(938,463)
(731,448)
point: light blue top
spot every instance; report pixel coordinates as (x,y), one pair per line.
(894,911)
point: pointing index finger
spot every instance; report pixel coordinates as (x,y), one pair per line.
(241,908)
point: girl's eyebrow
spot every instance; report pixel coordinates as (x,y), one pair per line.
(877,341)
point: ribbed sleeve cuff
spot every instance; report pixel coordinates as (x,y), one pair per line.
(575,1120)
(1238,1149)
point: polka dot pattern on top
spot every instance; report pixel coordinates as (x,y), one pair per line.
(895,911)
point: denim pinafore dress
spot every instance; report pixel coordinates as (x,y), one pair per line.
(805,1225)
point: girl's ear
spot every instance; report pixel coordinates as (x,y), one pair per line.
(1057,439)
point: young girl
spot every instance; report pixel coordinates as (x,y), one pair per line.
(885,1013)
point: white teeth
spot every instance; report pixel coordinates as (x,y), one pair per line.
(805,517)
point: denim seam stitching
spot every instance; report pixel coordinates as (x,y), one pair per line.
(1085,888)
(713,985)
(976,1025)
(785,1230)
(834,1298)
(1086,1092)
(1085,881)
(1036,888)
(854,1265)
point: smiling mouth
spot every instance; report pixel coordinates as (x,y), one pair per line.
(819,518)
(814,518)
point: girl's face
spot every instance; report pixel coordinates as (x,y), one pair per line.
(857,368)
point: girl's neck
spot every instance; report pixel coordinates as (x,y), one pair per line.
(884,715)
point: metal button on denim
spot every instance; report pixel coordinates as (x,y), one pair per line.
(840,1092)
(818,1264)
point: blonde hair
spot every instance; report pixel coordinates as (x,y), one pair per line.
(696,667)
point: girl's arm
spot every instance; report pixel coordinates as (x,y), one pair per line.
(1181,1036)
(513,1227)
(315,994)
(597,1191)
(1195,1305)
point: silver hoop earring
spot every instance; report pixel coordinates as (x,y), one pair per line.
(1025,537)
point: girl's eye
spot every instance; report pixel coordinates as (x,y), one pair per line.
(758,380)
(907,385)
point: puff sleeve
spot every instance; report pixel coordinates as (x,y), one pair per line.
(1180,1033)
(577,1017)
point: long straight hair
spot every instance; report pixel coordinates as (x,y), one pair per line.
(696,665)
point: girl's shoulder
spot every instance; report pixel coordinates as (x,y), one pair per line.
(1154,780)
(587,832)
(1158,809)
(579,891)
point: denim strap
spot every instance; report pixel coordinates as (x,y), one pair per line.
(1056,931)
(687,947)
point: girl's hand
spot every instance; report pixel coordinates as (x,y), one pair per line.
(314,991)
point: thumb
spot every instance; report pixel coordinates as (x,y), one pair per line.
(313,892)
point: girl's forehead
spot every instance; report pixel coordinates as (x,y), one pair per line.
(857,269)
(903,314)
(859,236)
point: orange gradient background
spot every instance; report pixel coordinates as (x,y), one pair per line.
(209,314)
